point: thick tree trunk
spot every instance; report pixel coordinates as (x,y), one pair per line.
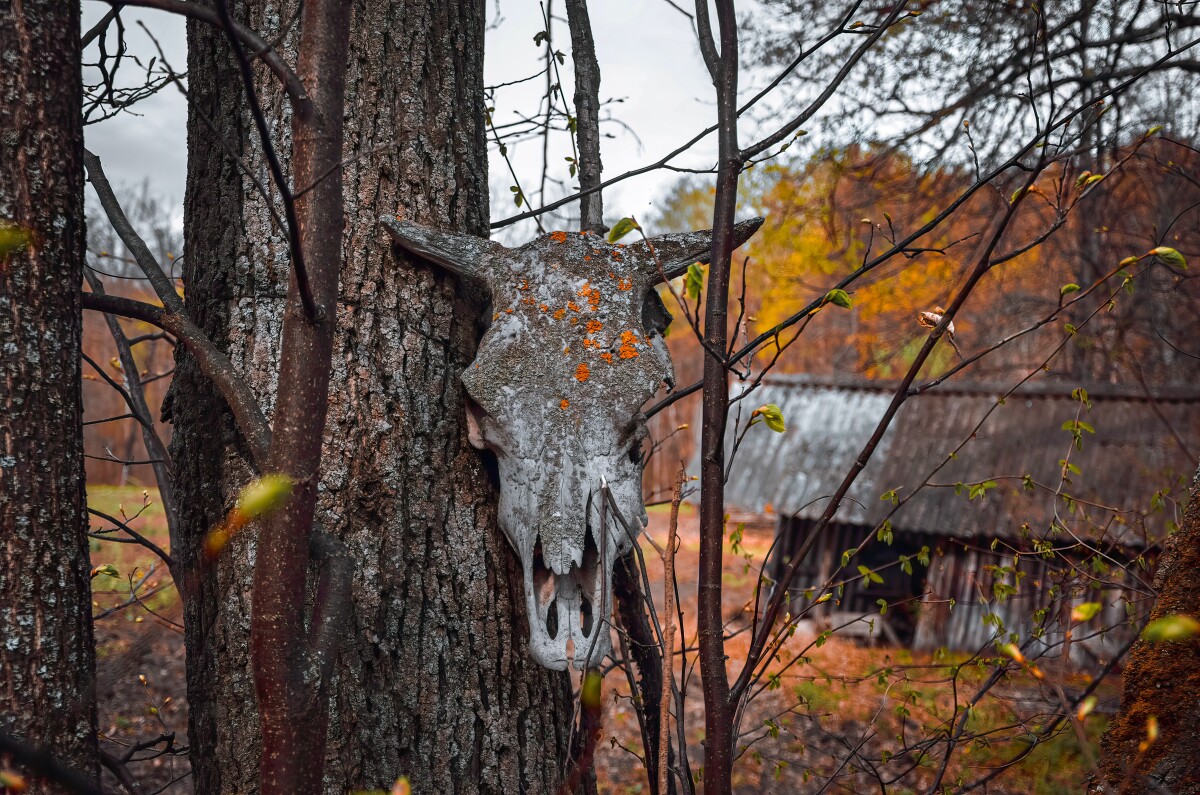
(47,662)
(1162,680)
(434,680)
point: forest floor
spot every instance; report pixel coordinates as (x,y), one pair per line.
(797,733)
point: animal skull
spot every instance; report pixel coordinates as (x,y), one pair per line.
(573,352)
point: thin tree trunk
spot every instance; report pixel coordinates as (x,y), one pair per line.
(587,112)
(1162,680)
(718,709)
(47,664)
(434,680)
(291,665)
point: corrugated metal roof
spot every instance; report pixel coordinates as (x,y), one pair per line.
(1132,454)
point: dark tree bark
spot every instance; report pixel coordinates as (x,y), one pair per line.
(1162,680)
(587,111)
(47,660)
(434,680)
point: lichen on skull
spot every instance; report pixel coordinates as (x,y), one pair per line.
(573,352)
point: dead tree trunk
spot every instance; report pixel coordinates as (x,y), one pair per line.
(1162,680)
(434,680)
(47,661)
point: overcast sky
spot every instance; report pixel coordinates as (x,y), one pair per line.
(648,57)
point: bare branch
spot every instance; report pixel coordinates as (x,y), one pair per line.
(258,46)
(211,360)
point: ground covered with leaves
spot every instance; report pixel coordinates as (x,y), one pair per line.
(838,721)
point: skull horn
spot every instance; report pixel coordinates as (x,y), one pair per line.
(465,256)
(678,250)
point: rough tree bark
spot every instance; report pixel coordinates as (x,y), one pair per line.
(1162,680)
(46,650)
(433,680)
(587,110)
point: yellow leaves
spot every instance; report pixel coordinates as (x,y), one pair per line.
(258,499)
(622,228)
(838,297)
(1151,734)
(107,569)
(771,415)
(13,238)
(402,787)
(1170,256)
(12,781)
(589,694)
(1171,628)
(1085,612)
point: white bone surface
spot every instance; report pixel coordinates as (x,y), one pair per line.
(572,354)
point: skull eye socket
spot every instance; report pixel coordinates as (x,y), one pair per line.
(655,315)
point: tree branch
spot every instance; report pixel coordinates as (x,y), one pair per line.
(261,49)
(211,360)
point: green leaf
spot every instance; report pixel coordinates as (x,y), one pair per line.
(980,490)
(883,606)
(838,298)
(1068,288)
(622,228)
(1177,627)
(590,693)
(264,495)
(12,238)
(1085,612)
(695,280)
(107,569)
(771,415)
(1170,256)
(540,36)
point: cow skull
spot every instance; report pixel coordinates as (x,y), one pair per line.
(573,352)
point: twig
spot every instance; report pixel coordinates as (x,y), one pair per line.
(312,312)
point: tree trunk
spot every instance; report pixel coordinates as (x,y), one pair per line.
(434,680)
(47,662)
(1162,680)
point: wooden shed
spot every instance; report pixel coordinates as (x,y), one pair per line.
(1011,515)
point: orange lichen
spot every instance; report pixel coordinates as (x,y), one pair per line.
(574,307)
(574,321)
(593,326)
(582,372)
(586,258)
(559,313)
(508,311)
(588,343)
(524,285)
(624,284)
(607,356)
(495,316)
(564,403)
(543,307)
(558,237)
(567,351)
(628,345)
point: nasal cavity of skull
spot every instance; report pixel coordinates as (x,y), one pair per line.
(545,589)
(589,579)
